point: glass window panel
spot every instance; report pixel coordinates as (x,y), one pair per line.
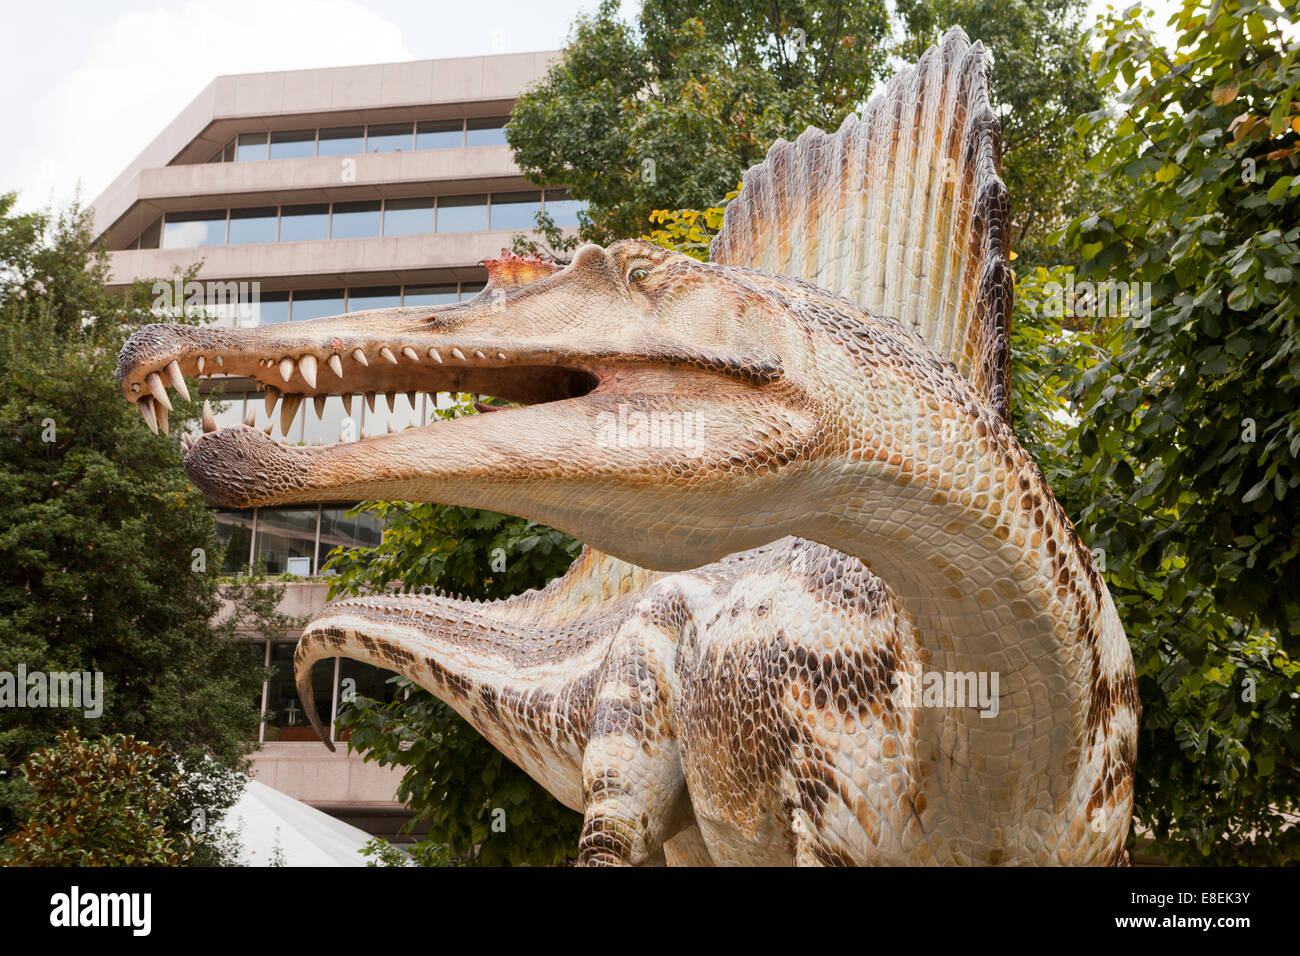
(391,138)
(293,144)
(515,210)
(314,303)
(358,679)
(354,220)
(271,308)
(250,147)
(430,294)
(489,131)
(285,717)
(380,297)
(341,141)
(150,238)
(228,154)
(470,289)
(235,533)
(563,208)
(462,213)
(284,533)
(440,134)
(252,225)
(337,530)
(186,230)
(408,217)
(300,223)
(326,429)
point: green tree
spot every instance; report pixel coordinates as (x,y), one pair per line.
(108,561)
(671,111)
(1182,466)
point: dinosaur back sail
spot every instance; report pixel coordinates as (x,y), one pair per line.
(902,211)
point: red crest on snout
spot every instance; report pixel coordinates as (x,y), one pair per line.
(509,270)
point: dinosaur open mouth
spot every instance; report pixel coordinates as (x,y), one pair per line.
(378,372)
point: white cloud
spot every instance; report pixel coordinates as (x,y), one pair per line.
(144,67)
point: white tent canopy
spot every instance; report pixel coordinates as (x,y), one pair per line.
(265,819)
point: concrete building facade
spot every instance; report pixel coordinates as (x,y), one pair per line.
(316,192)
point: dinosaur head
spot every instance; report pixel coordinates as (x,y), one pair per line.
(641,373)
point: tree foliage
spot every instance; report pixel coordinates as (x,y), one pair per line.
(1183,463)
(101,535)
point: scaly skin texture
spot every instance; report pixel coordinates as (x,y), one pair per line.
(768,699)
(878,436)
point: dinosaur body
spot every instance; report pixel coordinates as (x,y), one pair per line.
(857,401)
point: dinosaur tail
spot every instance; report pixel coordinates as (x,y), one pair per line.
(902,211)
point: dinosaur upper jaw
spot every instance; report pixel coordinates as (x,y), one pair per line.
(583,420)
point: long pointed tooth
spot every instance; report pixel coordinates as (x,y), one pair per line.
(288,412)
(219,362)
(287,365)
(360,356)
(336,364)
(161,412)
(391,429)
(250,416)
(370,400)
(272,396)
(319,402)
(146,410)
(387,355)
(410,397)
(178,380)
(135,388)
(457,354)
(391,400)
(186,441)
(307,365)
(159,390)
(501,356)
(209,420)
(410,353)
(433,354)
(200,362)
(270,427)
(478,353)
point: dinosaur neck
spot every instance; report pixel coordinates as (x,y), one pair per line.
(952,513)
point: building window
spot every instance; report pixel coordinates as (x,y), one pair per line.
(272,308)
(355,220)
(563,208)
(316,303)
(235,534)
(408,217)
(252,225)
(430,294)
(151,237)
(462,214)
(378,297)
(250,147)
(470,289)
(293,144)
(440,134)
(301,223)
(392,138)
(341,141)
(489,131)
(515,210)
(186,230)
(285,540)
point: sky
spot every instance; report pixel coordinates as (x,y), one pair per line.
(85,85)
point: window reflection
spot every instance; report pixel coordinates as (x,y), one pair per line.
(315,303)
(355,220)
(286,540)
(337,530)
(408,217)
(462,213)
(235,534)
(293,144)
(341,141)
(186,230)
(515,210)
(380,297)
(439,134)
(563,208)
(272,308)
(251,225)
(300,223)
(251,147)
(391,138)
(486,132)
(284,714)
(430,294)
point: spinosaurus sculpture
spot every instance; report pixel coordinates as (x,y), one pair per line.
(846,352)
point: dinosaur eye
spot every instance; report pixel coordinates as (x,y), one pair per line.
(638,274)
